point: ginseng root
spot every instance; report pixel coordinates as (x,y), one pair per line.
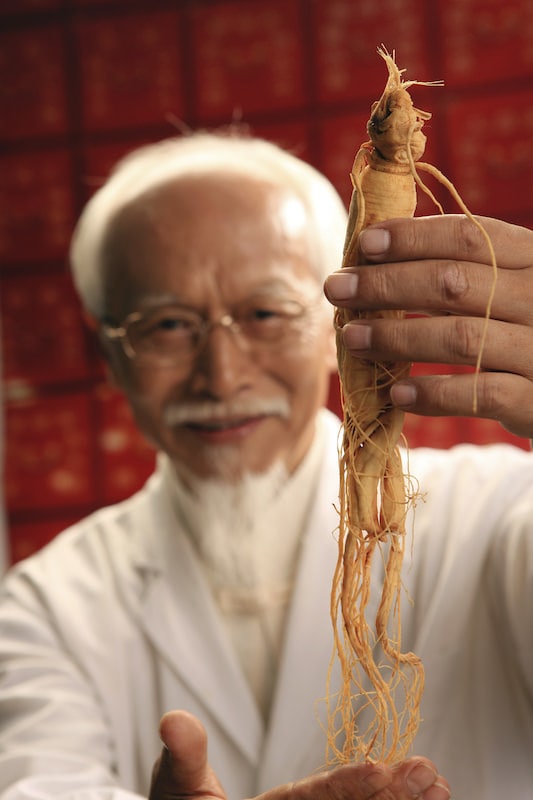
(375,713)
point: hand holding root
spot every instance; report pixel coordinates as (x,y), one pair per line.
(438,268)
(183,772)
(414,778)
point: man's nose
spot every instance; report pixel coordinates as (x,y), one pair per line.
(224,363)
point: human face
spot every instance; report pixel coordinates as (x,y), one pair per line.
(211,243)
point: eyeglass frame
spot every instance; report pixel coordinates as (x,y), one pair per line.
(119,332)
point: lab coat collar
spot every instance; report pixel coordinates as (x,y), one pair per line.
(175,608)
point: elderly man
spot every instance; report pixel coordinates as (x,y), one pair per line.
(206,595)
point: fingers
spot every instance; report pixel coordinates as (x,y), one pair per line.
(444,340)
(414,778)
(506,398)
(503,391)
(445,286)
(451,236)
(434,287)
(427,266)
(182,769)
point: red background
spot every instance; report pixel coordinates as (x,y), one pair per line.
(83,81)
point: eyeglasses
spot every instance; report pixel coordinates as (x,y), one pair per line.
(174,334)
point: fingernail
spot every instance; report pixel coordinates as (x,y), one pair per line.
(374,242)
(357,336)
(403,394)
(341,286)
(420,778)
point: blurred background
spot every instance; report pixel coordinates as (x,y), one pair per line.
(84,81)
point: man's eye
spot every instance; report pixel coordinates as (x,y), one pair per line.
(166,324)
(171,324)
(263,314)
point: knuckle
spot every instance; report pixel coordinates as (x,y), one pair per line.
(454,281)
(411,237)
(377,285)
(464,339)
(470,238)
(493,397)
(397,334)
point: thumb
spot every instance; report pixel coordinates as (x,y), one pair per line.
(182,769)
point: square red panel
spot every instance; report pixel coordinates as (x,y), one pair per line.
(130,69)
(490,152)
(104,3)
(49,453)
(248,57)
(26,6)
(43,337)
(36,206)
(347,35)
(125,457)
(486,40)
(33,98)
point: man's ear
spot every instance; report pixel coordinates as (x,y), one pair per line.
(112,363)
(111,370)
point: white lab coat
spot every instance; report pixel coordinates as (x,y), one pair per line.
(113,624)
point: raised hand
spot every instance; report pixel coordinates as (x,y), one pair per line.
(438,270)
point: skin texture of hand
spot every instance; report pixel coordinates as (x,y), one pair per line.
(438,268)
(183,772)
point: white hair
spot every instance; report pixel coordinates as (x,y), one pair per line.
(156,164)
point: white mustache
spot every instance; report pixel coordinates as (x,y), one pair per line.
(209,411)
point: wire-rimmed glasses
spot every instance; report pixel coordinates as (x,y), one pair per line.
(174,334)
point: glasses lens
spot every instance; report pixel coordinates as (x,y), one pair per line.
(166,332)
(268,320)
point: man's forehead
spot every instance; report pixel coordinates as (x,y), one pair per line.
(193,205)
(187,227)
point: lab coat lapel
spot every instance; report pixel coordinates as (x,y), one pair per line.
(177,612)
(296,732)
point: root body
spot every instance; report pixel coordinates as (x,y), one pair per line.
(375,714)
